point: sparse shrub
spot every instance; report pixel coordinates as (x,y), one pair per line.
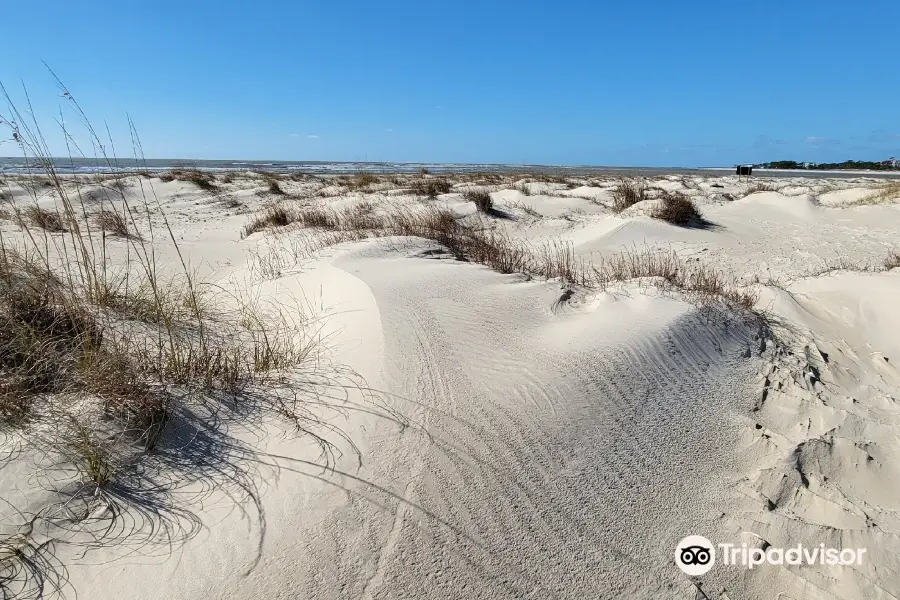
(362,181)
(526,208)
(106,382)
(275,187)
(202,179)
(522,188)
(760,187)
(885,193)
(892,261)
(431,187)
(112,223)
(547,178)
(481,198)
(628,193)
(703,285)
(677,209)
(45,219)
(276,215)
(88,453)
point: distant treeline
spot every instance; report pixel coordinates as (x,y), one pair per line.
(847,164)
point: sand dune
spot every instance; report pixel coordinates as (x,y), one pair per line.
(502,436)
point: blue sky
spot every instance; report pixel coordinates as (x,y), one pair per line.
(580,82)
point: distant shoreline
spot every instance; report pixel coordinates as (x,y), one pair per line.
(18,165)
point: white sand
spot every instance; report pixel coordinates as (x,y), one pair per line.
(519,444)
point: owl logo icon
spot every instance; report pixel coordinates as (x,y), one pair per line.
(695,555)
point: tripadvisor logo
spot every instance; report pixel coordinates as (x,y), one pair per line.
(696,555)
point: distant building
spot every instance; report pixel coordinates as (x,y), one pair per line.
(891,162)
(808,165)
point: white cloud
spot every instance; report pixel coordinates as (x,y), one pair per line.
(388,129)
(439,106)
(812,139)
(312,136)
(295,135)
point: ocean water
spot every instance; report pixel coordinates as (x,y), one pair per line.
(89,165)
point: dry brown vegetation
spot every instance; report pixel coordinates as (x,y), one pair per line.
(362,181)
(886,193)
(703,285)
(892,261)
(112,222)
(48,220)
(96,362)
(275,186)
(472,239)
(202,179)
(628,193)
(677,209)
(526,208)
(481,199)
(277,215)
(760,187)
(431,187)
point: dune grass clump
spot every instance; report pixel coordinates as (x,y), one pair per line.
(431,187)
(885,193)
(526,208)
(522,188)
(702,284)
(481,199)
(97,361)
(677,209)
(362,181)
(275,187)
(892,261)
(202,179)
(48,220)
(53,340)
(277,215)
(628,193)
(760,187)
(112,222)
